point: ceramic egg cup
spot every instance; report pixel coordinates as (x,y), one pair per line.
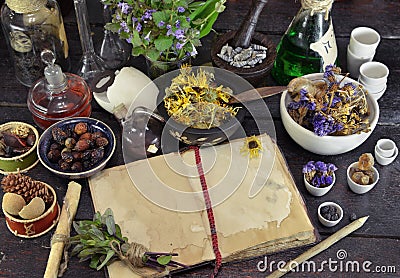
(360,188)
(326,222)
(318,191)
(23,162)
(34,227)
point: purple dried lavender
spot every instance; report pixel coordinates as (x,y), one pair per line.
(324,125)
(319,174)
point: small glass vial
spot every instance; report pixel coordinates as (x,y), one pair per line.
(58,95)
(30,27)
(308,45)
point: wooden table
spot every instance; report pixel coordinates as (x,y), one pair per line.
(376,242)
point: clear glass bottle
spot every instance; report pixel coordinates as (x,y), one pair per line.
(30,27)
(114,51)
(58,95)
(308,45)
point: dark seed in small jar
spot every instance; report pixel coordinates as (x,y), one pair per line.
(70,142)
(76,166)
(330,213)
(31,139)
(82,145)
(101,142)
(80,128)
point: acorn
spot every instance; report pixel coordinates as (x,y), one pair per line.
(82,145)
(80,128)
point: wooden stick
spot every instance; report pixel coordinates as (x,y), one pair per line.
(62,233)
(323,245)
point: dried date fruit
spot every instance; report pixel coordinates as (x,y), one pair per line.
(86,136)
(59,135)
(65,166)
(76,166)
(55,146)
(97,155)
(97,134)
(31,139)
(77,155)
(66,155)
(82,145)
(54,155)
(101,142)
(80,128)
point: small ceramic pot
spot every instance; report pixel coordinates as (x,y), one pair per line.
(34,227)
(23,162)
(382,160)
(329,223)
(318,191)
(359,188)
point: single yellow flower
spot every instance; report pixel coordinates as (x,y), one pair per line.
(252,146)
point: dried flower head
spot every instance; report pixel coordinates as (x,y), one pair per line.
(319,174)
(252,146)
(194,100)
(329,108)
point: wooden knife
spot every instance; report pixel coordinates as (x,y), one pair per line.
(258,93)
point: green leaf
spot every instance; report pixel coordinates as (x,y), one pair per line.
(118,232)
(78,248)
(208,26)
(113,27)
(136,41)
(136,51)
(160,16)
(110,225)
(163,43)
(153,54)
(94,261)
(96,232)
(164,260)
(110,254)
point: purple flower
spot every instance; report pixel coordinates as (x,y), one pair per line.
(169,32)
(178,24)
(309,167)
(124,26)
(321,167)
(331,167)
(161,24)
(179,45)
(181,9)
(139,27)
(147,14)
(124,7)
(294,105)
(179,34)
(324,125)
(188,19)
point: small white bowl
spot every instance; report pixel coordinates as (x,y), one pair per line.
(377,95)
(326,145)
(326,222)
(318,191)
(385,147)
(373,89)
(385,160)
(359,188)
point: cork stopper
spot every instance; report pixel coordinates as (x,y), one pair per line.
(25,6)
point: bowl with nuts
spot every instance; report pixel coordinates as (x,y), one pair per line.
(18,142)
(76,148)
(362,176)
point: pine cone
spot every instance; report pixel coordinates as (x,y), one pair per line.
(27,187)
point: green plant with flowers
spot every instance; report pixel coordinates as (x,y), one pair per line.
(163,30)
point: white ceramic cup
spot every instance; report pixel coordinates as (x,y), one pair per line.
(385,147)
(385,160)
(364,41)
(354,62)
(373,89)
(378,95)
(373,73)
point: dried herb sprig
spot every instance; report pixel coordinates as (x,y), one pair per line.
(196,101)
(329,108)
(319,174)
(100,241)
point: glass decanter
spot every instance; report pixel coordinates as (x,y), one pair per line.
(90,65)
(114,51)
(308,45)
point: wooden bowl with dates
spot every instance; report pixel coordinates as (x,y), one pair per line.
(76,148)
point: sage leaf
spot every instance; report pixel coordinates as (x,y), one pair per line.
(110,254)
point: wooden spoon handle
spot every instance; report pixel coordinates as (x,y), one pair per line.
(257,93)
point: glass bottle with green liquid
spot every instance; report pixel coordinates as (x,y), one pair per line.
(308,45)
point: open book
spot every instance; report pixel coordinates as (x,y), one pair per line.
(159,203)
